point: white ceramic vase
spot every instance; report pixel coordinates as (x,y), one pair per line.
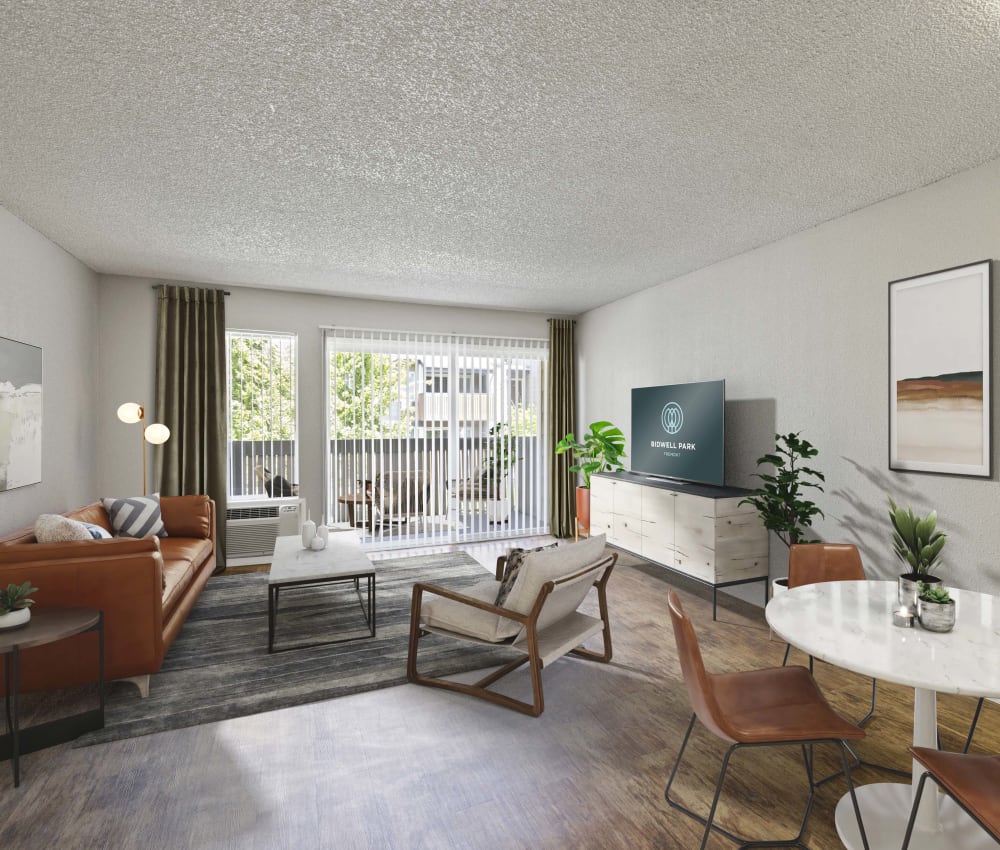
(13,619)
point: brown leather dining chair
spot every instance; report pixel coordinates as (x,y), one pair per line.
(972,781)
(810,563)
(779,706)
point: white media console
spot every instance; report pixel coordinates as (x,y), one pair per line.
(697,530)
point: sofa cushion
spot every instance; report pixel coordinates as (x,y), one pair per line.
(437,612)
(55,528)
(549,564)
(138,516)
(177,577)
(194,551)
(97,532)
(511,567)
(187,516)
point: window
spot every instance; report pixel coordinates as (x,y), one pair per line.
(459,419)
(261,389)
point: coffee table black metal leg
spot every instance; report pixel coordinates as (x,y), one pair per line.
(15,734)
(371,600)
(272,604)
(6,691)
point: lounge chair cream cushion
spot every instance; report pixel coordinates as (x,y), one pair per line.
(548,565)
(439,613)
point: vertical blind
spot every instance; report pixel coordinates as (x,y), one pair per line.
(436,436)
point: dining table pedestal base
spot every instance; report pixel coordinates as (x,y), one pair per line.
(885,809)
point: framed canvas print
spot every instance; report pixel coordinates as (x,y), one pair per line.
(940,399)
(20,414)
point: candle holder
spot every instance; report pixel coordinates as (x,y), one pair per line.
(903,617)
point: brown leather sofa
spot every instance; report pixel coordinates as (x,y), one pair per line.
(145,587)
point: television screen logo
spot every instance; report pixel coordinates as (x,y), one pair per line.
(672,417)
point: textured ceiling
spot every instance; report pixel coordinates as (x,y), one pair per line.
(545,155)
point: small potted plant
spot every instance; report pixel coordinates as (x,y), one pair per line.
(15,605)
(918,544)
(601,450)
(935,608)
(493,479)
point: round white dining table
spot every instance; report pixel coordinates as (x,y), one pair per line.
(850,624)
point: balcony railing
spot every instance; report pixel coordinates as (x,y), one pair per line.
(408,488)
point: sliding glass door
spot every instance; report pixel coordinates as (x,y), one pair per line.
(436,436)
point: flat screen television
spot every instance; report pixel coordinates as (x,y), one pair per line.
(678,431)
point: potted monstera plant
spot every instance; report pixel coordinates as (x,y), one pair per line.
(601,450)
(918,544)
(15,605)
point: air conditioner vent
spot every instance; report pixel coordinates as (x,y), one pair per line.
(252,529)
(260,512)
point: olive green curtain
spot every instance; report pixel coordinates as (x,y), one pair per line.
(191,397)
(562,421)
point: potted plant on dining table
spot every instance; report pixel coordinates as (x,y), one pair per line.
(918,544)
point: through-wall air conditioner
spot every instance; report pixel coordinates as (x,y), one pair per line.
(253,526)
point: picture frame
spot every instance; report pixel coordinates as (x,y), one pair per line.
(20,414)
(940,375)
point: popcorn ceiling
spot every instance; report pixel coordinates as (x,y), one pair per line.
(549,156)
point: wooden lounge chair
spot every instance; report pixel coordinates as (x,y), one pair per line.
(538,618)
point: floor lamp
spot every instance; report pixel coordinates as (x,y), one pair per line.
(156,434)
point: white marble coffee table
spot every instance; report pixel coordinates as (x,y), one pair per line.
(293,566)
(849,623)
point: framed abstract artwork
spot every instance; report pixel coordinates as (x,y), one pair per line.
(20,414)
(940,399)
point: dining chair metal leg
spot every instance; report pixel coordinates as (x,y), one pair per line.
(913,810)
(807,760)
(972,727)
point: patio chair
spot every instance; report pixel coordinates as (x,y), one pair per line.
(533,612)
(400,497)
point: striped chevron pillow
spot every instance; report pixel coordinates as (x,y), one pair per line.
(138,516)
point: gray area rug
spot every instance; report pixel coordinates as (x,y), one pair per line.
(219,666)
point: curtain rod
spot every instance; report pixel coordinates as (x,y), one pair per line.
(214,289)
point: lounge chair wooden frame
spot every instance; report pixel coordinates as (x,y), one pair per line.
(540,646)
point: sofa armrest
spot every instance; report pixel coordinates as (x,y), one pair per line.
(189,516)
(28,554)
(121,577)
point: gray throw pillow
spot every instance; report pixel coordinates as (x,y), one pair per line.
(515,557)
(138,516)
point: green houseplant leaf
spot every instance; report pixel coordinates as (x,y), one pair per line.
(915,540)
(16,596)
(779,501)
(601,450)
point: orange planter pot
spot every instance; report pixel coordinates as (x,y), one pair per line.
(583,510)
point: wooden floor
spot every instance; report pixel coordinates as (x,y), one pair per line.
(412,767)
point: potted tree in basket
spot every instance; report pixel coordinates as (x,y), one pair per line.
(779,500)
(15,605)
(601,450)
(918,544)
(494,478)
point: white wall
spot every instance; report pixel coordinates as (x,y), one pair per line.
(49,299)
(128,329)
(799,330)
